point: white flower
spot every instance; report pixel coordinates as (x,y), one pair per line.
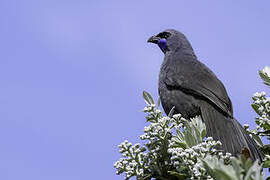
(266,71)
(260,109)
(258,95)
(177,116)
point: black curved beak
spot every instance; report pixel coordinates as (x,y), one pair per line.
(153,39)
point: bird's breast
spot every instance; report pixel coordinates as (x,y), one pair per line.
(184,104)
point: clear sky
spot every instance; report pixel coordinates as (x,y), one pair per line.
(72,73)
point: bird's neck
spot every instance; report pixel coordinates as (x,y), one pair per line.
(172,60)
(180,55)
(186,53)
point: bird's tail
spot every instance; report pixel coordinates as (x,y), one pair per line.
(229,132)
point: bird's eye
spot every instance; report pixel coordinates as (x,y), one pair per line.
(164,35)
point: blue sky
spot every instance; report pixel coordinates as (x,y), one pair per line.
(72,74)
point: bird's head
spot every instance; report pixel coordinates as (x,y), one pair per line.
(171,40)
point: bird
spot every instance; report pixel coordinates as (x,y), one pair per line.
(192,89)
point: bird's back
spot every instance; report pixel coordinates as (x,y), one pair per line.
(185,76)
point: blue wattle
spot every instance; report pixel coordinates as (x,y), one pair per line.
(162,43)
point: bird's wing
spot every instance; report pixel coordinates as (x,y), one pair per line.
(201,82)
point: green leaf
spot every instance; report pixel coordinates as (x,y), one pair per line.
(203,133)
(171,112)
(254,171)
(148,98)
(247,163)
(256,107)
(179,176)
(257,121)
(158,102)
(236,164)
(266,164)
(257,139)
(265,133)
(198,128)
(147,177)
(266,126)
(266,149)
(182,145)
(265,78)
(222,175)
(208,168)
(217,169)
(190,140)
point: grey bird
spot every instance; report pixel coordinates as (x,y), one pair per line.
(193,89)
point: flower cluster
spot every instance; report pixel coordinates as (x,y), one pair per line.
(172,145)
(261,105)
(190,157)
(135,161)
